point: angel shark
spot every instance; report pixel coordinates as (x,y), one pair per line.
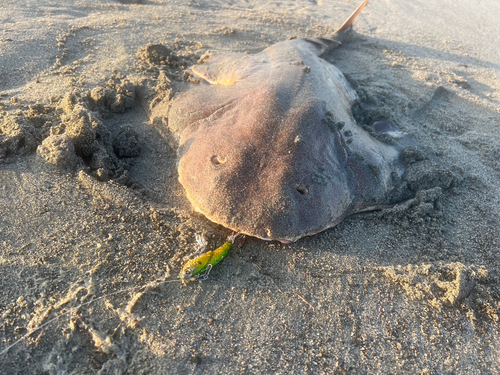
(268,145)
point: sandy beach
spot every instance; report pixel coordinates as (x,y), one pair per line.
(95,226)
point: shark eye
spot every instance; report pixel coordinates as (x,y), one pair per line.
(304,190)
(216,160)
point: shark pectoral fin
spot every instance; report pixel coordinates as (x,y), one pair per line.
(226,70)
(214,75)
(220,69)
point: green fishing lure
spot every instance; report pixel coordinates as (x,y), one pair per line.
(195,267)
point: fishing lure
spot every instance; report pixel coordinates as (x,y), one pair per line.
(195,267)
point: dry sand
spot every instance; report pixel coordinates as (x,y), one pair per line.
(91,245)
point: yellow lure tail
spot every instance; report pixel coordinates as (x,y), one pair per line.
(204,262)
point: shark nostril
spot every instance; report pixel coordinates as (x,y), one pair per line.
(216,160)
(304,190)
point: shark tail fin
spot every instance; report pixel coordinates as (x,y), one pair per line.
(324,45)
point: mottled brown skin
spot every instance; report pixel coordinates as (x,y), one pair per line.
(270,148)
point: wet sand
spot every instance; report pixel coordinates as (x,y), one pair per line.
(95,227)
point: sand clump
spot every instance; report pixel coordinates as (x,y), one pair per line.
(451,284)
(80,125)
(72,133)
(18,135)
(22,130)
(157,54)
(59,150)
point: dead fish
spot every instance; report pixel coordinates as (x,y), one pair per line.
(268,145)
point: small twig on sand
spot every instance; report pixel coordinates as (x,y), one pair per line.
(303,299)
